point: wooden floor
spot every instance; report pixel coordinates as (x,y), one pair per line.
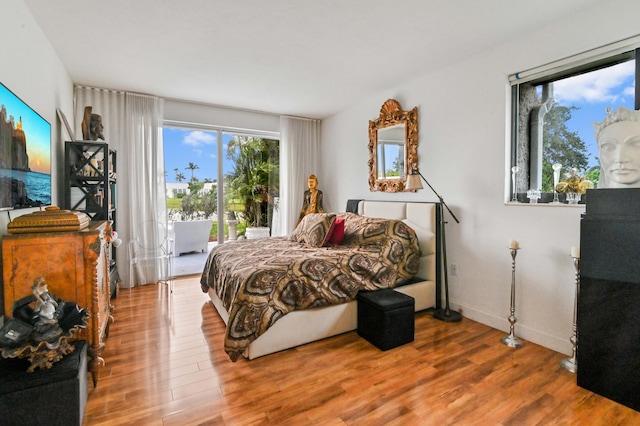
(165,366)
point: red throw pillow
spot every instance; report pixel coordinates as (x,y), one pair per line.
(337,235)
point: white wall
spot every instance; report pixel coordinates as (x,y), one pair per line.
(463,152)
(229,118)
(31,69)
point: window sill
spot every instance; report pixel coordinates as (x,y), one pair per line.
(512,203)
(546,199)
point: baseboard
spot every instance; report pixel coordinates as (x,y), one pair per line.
(561,345)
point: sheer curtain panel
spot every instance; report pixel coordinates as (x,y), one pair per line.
(300,153)
(133,126)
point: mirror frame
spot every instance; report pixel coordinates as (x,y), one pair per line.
(391,114)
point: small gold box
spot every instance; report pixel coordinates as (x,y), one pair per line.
(52,219)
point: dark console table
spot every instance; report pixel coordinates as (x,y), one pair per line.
(608,318)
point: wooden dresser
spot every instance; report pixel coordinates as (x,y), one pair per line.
(74,265)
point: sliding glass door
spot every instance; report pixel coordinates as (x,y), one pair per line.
(196,160)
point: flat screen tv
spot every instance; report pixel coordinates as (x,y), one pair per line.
(25,154)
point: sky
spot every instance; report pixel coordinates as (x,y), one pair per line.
(37,130)
(184,146)
(593,93)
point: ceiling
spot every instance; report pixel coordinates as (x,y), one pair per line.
(309,58)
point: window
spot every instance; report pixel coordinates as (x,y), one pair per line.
(552,114)
(391,156)
(390,159)
(196,159)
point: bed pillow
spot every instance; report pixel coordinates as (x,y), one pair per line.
(313,229)
(336,233)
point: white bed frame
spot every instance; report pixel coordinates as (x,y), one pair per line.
(300,327)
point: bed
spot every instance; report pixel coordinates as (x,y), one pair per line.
(238,275)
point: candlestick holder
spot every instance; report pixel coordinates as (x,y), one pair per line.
(556,179)
(514,183)
(571,364)
(510,339)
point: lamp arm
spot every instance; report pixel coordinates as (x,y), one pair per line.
(439,197)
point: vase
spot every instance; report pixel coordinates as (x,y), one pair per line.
(556,178)
(573,197)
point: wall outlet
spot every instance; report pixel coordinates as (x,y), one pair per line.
(454,269)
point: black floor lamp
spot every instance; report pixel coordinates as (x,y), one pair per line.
(413,183)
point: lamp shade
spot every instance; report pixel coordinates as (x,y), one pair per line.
(413,181)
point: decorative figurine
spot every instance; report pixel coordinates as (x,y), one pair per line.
(312,199)
(92,127)
(618,137)
(45,313)
(42,334)
(91,167)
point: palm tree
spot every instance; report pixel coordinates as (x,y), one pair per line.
(254,177)
(192,167)
(179,177)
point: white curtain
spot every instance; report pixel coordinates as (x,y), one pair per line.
(300,153)
(132,126)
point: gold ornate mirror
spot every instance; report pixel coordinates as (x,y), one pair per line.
(393,147)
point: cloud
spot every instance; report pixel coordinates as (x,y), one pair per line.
(197,138)
(630,91)
(605,85)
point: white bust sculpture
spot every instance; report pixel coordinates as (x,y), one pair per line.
(618,138)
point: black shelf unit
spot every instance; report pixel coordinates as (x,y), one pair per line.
(90,186)
(609,296)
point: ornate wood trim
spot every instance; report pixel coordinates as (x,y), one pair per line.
(391,114)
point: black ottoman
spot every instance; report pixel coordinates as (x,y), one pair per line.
(56,396)
(386,318)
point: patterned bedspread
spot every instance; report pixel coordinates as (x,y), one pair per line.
(261,280)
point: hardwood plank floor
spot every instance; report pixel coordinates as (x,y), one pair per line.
(165,365)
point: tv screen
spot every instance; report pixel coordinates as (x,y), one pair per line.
(25,154)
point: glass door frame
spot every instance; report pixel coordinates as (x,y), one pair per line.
(220,152)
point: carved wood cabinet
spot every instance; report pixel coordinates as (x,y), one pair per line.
(75,267)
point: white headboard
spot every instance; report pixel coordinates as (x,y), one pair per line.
(422,218)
